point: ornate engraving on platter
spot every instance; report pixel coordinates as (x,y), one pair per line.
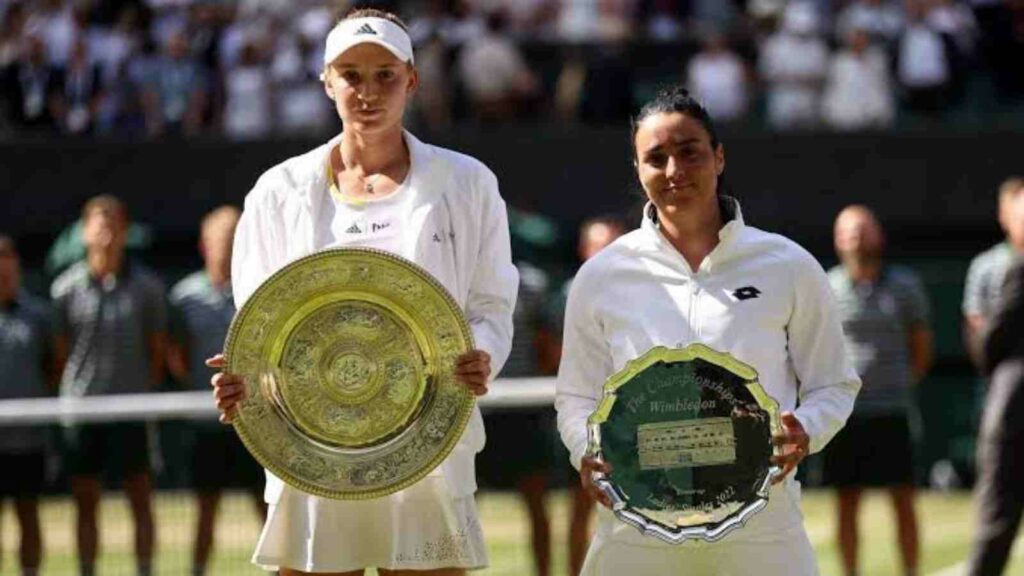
(348,357)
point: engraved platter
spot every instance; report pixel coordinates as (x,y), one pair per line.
(688,433)
(348,359)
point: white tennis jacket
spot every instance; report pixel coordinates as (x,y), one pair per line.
(458,232)
(758,296)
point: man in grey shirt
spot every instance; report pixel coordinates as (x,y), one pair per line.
(26,366)
(202,308)
(885,321)
(111,329)
(988,269)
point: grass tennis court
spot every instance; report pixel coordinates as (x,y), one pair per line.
(946,521)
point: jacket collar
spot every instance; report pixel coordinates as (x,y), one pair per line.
(731,213)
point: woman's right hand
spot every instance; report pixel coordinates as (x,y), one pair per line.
(228,389)
(588,467)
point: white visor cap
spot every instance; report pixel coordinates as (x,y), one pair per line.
(386,33)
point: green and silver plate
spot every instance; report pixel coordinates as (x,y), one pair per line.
(688,433)
(348,358)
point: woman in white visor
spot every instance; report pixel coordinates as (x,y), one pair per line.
(375,185)
(694,272)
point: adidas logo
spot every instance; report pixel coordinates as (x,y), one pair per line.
(366,29)
(354,229)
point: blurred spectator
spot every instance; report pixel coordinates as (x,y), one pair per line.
(299,103)
(714,13)
(69,247)
(665,22)
(885,316)
(202,308)
(595,234)
(999,492)
(586,21)
(793,64)
(248,112)
(494,73)
(111,47)
(924,63)
(57,23)
(521,441)
(110,334)
(26,361)
(881,19)
(525,17)
(174,90)
(12,30)
(988,269)
(858,91)
(29,89)
(433,98)
(78,93)
(434,19)
(718,78)
(955,19)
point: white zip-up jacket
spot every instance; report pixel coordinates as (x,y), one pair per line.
(758,296)
(458,232)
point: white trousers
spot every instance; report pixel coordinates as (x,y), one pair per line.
(773,543)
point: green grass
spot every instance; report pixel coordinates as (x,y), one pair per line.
(946,523)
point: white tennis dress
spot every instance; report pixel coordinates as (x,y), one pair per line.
(449,218)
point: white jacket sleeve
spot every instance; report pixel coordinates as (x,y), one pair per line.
(255,250)
(828,383)
(586,364)
(495,280)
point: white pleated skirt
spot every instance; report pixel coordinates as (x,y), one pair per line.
(420,528)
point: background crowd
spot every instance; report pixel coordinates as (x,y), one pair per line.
(249,68)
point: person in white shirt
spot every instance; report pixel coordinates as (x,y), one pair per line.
(858,93)
(793,64)
(375,185)
(718,78)
(694,272)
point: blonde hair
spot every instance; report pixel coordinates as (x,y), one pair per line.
(105,203)
(226,213)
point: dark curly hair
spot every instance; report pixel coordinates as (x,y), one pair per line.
(676,99)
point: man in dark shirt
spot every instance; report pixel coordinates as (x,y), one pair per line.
(111,330)
(25,371)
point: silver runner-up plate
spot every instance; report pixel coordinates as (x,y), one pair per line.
(688,433)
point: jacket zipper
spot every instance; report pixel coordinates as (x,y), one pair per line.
(694,310)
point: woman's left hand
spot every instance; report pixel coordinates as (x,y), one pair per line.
(794,445)
(474,370)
